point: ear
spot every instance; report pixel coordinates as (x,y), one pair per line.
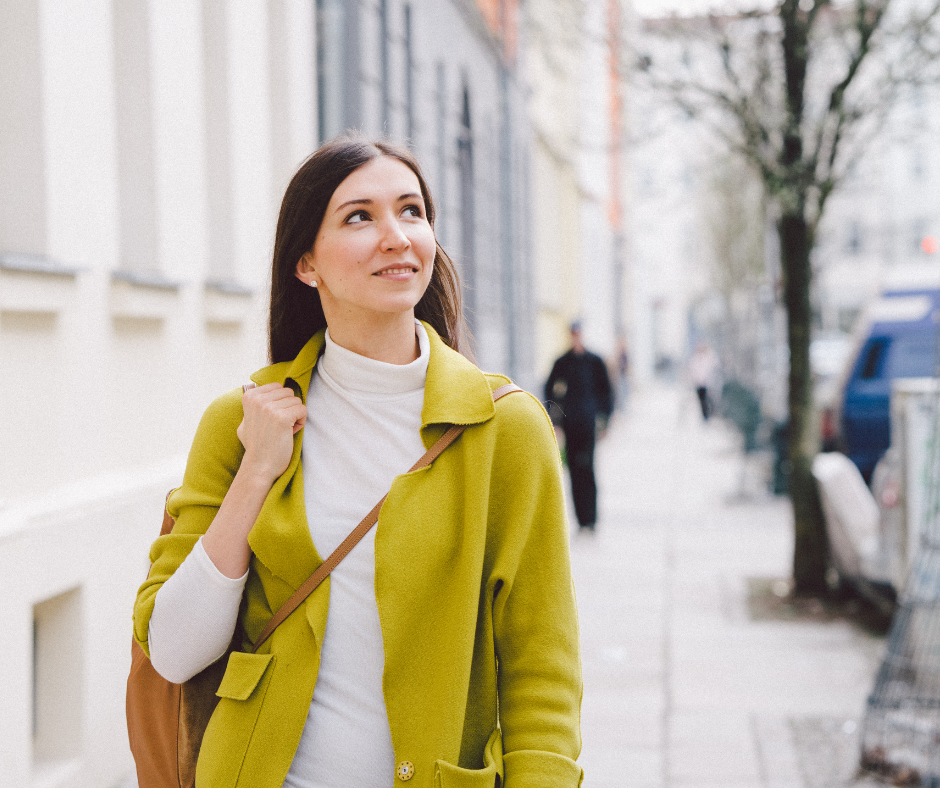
(304,271)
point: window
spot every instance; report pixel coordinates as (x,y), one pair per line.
(57,671)
(383,67)
(873,358)
(221,251)
(441,228)
(467,207)
(135,144)
(22,155)
(409,78)
(913,356)
(338,94)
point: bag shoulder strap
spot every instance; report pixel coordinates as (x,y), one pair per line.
(363,528)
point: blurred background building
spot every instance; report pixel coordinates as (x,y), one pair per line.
(885,223)
(706,257)
(706,263)
(144,147)
(577,62)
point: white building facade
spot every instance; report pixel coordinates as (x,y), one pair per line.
(144,147)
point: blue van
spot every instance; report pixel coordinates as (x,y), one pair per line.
(897,339)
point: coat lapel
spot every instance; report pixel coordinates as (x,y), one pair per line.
(280,538)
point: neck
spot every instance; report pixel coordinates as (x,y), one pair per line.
(388,338)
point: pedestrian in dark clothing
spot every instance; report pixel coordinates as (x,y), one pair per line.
(580,387)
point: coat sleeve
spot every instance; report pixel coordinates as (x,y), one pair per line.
(534,612)
(213,461)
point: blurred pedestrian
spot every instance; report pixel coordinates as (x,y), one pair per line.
(580,388)
(389,670)
(703,371)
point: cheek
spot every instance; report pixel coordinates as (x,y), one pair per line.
(337,260)
(425,246)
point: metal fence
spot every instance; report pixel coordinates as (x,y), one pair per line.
(901,730)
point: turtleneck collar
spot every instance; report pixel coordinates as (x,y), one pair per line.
(347,370)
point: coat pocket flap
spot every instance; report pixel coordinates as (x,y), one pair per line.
(242,674)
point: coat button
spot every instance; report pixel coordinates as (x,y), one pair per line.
(405,770)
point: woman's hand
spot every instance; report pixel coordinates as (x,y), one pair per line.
(272,416)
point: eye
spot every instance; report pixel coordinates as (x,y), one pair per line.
(413,210)
(357,216)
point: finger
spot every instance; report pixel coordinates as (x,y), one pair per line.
(260,389)
(252,392)
(280,403)
(270,392)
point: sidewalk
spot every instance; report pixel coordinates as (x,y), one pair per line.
(683,688)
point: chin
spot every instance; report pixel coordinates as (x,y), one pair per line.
(393,307)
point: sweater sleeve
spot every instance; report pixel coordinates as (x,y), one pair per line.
(193,618)
(534,612)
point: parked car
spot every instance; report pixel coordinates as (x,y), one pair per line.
(828,355)
(875,534)
(897,338)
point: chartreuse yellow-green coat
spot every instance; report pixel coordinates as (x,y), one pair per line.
(472,580)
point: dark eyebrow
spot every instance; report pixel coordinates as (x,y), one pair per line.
(408,196)
(352,202)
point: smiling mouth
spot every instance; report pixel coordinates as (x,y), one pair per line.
(396,271)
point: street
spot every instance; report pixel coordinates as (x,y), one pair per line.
(691,678)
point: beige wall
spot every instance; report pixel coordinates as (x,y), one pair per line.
(111,343)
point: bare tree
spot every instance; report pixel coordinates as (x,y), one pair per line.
(796,90)
(734,213)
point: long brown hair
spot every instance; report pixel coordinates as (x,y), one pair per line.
(296,311)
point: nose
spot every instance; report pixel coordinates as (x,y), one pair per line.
(393,237)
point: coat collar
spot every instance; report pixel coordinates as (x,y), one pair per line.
(456,392)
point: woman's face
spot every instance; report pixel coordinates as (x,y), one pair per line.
(375,249)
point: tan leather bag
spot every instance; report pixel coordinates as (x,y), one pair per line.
(166,721)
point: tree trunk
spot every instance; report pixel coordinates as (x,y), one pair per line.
(810,548)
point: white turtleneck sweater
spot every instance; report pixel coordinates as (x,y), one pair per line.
(363,429)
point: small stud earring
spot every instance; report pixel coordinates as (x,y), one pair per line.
(313,282)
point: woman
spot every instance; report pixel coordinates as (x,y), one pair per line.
(443,650)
